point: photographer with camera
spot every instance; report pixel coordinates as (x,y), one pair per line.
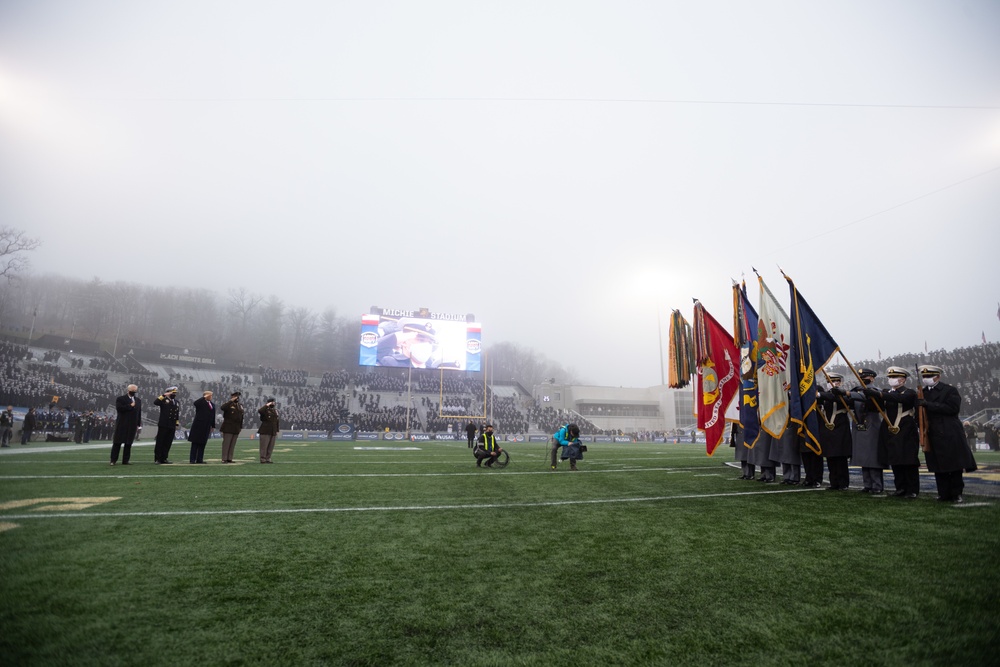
(562,438)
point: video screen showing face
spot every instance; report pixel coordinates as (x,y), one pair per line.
(412,342)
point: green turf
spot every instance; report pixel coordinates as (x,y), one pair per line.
(337,556)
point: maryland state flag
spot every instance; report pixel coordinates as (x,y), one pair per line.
(812,348)
(717,378)
(745,327)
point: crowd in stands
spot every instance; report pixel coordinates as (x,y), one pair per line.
(104,364)
(283,377)
(974,371)
(81,400)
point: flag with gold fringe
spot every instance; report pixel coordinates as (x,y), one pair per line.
(717,378)
(745,336)
(812,347)
(681,356)
(773,345)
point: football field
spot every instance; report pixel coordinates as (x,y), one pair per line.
(345,553)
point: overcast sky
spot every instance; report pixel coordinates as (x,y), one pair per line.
(565,170)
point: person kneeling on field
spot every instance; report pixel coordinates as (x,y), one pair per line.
(487,448)
(561,438)
(574,452)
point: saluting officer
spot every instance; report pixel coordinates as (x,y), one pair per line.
(268,431)
(166,425)
(949,454)
(232,424)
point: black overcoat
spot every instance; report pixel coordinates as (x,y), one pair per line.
(204,421)
(949,450)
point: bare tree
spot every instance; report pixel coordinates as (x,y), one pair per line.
(242,305)
(302,325)
(13,244)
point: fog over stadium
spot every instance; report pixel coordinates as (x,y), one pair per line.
(568,172)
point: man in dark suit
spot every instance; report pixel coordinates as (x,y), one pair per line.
(201,427)
(470,433)
(166,425)
(949,454)
(129,409)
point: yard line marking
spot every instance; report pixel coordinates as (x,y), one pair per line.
(265,475)
(399,508)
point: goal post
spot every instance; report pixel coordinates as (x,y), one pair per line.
(441,397)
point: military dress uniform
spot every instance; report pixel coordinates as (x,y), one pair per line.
(268,431)
(166,425)
(742,454)
(232,424)
(867,452)
(835,435)
(949,454)
(898,434)
(759,455)
(785,450)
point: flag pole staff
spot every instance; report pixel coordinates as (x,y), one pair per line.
(843,401)
(862,383)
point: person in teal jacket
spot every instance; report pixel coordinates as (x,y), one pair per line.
(561,438)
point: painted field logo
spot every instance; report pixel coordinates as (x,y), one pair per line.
(368,339)
(472,346)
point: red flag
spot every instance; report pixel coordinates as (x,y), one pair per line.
(717,379)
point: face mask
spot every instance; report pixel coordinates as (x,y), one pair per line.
(131,393)
(895,382)
(930,382)
(421,352)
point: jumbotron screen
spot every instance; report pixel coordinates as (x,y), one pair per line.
(420,339)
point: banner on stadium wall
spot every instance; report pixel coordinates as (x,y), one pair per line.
(539,438)
(513,438)
(445,436)
(622,438)
(290,435)
(394,435)
(366,436)
(603,438)
(418,437)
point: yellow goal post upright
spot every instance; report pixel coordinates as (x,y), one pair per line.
(441,396)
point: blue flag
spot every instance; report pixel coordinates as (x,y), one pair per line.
(812,347)
(745,325)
